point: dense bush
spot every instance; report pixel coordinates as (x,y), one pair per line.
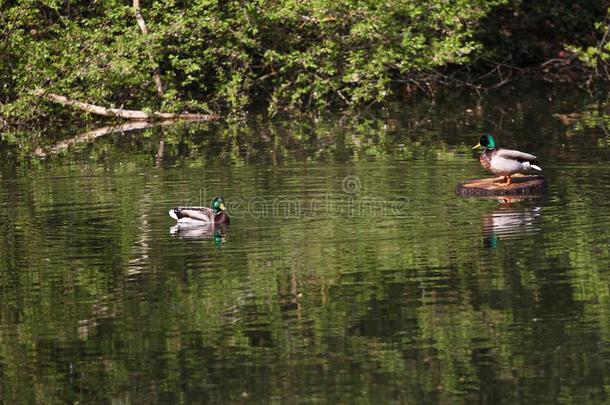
(228,55)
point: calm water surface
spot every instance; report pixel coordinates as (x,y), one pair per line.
(351,271)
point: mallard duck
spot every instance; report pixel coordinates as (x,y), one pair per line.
(504,162)
(201,216)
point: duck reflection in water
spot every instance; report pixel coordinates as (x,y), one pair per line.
(202,232)
(508,220)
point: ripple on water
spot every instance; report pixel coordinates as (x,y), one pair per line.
(316,277)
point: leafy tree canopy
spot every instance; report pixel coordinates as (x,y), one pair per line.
(228,55)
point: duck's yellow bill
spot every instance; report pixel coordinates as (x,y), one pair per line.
(222,207)
(477,146)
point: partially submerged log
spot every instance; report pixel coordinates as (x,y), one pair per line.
(121,113)
(521,185)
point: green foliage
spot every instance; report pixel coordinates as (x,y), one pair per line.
(233,55)
(227,55)
(597,56)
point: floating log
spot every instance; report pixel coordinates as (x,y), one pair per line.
(521,185)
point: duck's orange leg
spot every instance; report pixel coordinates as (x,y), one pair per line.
(504,181)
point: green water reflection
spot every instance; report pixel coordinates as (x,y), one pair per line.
(350,272)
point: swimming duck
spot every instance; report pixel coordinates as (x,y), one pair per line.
(504,162)
(201,216)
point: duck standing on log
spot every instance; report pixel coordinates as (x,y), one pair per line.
(504,162)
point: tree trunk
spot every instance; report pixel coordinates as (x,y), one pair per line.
(156,69)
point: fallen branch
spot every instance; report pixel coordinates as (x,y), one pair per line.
(121,113)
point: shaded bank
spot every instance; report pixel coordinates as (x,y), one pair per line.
(568,120)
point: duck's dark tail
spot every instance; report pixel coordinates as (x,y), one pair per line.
(532,165)
(535,165)
(175,213)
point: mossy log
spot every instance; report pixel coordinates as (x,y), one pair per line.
(521,185)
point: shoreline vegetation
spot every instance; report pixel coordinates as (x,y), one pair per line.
(199,60)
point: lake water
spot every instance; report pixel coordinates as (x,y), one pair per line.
(351,272)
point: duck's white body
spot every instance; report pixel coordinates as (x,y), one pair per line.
(189,217)
(507,162)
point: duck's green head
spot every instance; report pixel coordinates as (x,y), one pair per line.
(486,141)
(218,204)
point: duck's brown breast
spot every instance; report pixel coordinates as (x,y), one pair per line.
(485,159)
(221,218)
